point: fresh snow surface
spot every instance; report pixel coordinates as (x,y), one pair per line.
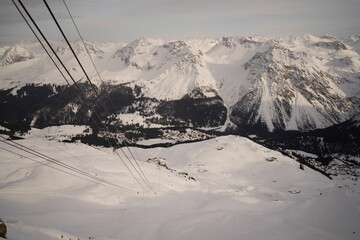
(238,194)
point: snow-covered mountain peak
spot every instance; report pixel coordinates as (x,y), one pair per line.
(89,47)
(328,36)
(354,42)
(79,48)
(228,42)
(175,46)
(200,45)
(235,49)
(3,50)
(311,38)
(181,72)
(154,55)
(290,93)
(140,53)
(138,46)
(16,54)
(275,54)
(280,83)
(164,69)
(332,45)
(233,42)
(326,42)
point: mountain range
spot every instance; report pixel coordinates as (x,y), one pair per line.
(225,135)
(252,83)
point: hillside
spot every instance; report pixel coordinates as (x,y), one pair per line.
(237,189)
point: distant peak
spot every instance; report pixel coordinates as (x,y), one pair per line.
(328,36)
(16,54)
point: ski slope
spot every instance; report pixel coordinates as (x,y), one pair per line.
(242,191)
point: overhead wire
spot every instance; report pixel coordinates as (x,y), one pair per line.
(59,148)
(43,156)
(142,175)
(82,40)
(47,165)
(59,163)
(47,52)
(75,83)
(98,74)
(47,42)
(72,50)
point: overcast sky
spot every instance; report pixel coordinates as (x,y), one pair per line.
(126,20)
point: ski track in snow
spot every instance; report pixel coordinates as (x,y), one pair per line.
(238,194)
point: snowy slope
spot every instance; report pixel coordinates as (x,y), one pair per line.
(290,83)
(165,70)
(242,190)
(278,83)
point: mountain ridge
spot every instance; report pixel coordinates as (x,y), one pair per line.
(287,83)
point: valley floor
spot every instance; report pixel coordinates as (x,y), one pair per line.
(224,188)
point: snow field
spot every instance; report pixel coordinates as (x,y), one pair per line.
(241,192)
